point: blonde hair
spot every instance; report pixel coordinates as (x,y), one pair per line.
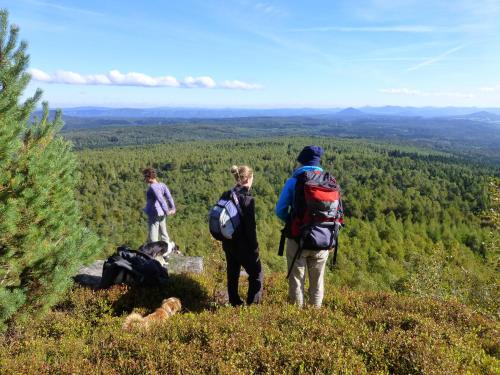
(242,173)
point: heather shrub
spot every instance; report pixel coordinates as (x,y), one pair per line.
(355,332)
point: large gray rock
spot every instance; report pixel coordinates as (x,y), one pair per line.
(184,264)
(91,275)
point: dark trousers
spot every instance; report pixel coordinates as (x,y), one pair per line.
(250,261)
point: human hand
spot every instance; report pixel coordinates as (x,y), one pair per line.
(171,212)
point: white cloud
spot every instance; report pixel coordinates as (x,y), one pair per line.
(413,92)
(116,78)
(490,89)
(200,82)
(240,85)
(403,91)
(139,79)
(39,75)
(70,77)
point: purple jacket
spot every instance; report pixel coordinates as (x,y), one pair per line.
(158,200)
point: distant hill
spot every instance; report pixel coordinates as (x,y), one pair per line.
(426,112)
(482,116)
(183,112)
(351,113)
(193,112)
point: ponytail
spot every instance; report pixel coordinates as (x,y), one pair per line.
(241,173)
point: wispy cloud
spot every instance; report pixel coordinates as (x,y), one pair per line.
(372,29)
(116,78)
(63,8)
(269,9)
(310,54)
(384,59)
(411,29)
(414,92)
(37,25)
(435,59)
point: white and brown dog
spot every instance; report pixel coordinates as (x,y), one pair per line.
(168,308)
(160,250)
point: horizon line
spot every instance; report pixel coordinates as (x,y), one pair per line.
(262,108)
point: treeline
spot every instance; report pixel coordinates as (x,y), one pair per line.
(472,141)
(407,210)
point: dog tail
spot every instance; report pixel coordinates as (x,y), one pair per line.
(129,320)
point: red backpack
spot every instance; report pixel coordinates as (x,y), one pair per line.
(317,210)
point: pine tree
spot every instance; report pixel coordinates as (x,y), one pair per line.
(41,239)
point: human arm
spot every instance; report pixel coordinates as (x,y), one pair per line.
(285,199)
(170,201)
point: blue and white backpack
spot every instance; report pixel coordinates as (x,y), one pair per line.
(225,217)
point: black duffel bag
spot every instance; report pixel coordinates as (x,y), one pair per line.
(134,268)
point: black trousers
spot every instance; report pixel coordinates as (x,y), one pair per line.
(250,261)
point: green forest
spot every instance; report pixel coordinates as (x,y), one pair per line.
(465,138)
(414,218)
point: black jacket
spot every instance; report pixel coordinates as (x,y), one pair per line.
(245,237)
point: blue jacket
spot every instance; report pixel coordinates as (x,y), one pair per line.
(285,200)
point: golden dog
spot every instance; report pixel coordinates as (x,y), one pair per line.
(168,308)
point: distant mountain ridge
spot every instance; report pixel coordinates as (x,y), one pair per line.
(483,116)
(194,112)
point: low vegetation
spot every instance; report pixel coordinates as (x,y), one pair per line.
(355,332)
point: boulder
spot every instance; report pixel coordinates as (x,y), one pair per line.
(90,275)
(183,264)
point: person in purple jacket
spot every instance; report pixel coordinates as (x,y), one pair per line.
(159,205)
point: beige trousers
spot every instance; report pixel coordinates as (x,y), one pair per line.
(312,260)
(158,230)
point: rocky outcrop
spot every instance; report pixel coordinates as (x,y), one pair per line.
(91,275)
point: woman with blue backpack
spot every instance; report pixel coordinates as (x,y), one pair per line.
(236,210)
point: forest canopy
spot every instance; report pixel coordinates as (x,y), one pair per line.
(413,217)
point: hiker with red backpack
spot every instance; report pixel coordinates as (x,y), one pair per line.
(232,221)
(311,206)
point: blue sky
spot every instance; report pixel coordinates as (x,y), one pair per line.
(262,54)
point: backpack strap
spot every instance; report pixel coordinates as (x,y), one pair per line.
(336,249)
(236,202)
